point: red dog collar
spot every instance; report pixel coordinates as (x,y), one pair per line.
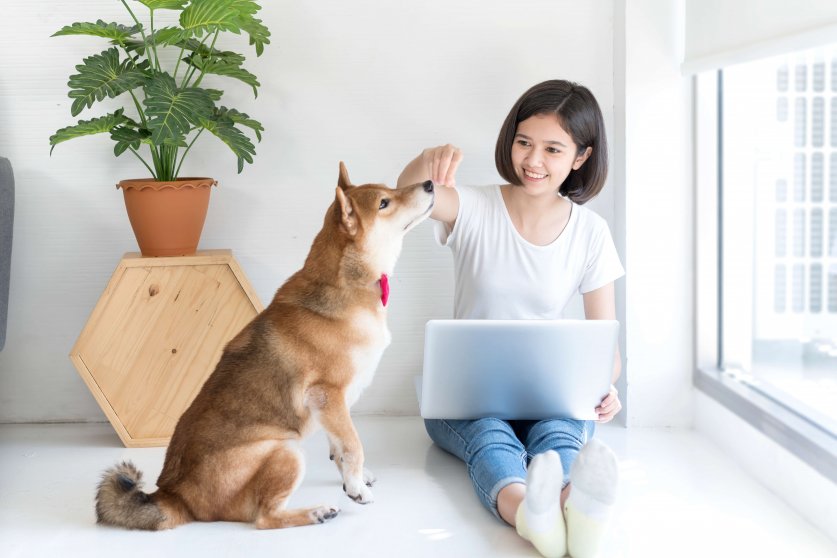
(384,281)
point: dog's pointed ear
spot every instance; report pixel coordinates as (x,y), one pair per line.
(348,217)
(343,178)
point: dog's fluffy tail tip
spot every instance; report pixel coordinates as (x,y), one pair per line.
(121,502)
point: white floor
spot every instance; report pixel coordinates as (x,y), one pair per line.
(679,497)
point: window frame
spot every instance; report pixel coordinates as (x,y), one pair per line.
(796,433)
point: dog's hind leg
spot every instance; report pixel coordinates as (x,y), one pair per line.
(280,474)
(174,509)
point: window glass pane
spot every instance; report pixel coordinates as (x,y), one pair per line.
(799,177)
(779,200)
(800,120)
(816,177)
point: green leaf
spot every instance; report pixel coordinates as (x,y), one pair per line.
(259,34)
(116,32)
(244,120)
(246,7)
(164,4)
(207,16)
(103,75)
(164,36)
(222,68)
(172,111)
(98,125)
(214,94)
(223,127)
(128,136)
(204,51)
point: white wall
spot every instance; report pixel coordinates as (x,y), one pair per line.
(658,218)
(369,83)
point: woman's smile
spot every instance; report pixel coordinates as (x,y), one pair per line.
(534,176)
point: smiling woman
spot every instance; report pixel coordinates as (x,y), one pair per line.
(543,150)
(522,250)
(580,135)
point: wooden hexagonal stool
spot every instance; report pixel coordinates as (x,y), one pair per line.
(156,334)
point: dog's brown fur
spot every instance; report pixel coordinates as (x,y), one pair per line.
(300,363)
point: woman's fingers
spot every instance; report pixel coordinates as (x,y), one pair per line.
(442,163)
(608,401)
(450,177)
(609,407)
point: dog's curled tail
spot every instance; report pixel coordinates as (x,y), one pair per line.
(121,502)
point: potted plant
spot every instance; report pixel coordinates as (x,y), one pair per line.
(166,109)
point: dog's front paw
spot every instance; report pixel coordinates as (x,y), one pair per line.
(368,477)
(322,514)
(358,491)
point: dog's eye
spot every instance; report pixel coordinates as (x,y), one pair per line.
(384,203)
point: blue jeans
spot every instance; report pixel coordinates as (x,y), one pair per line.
(497,452)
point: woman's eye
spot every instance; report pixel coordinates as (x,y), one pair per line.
(524,143)
(384,203)
(553,150)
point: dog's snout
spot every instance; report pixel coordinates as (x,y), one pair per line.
(428,186)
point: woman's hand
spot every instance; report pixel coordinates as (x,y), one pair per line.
(609,406)
(441,162)
(438,164)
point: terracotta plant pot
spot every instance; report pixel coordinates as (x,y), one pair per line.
(167,217)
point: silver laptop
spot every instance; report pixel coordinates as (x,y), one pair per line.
(516,369)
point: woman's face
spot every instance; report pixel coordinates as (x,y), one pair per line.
(543,154)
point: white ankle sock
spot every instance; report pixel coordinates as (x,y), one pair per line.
(539,518)
(594,476)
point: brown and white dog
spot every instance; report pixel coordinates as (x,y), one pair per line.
(302,362)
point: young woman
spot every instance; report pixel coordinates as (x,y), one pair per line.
(521,251)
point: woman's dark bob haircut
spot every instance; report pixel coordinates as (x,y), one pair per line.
(579,114)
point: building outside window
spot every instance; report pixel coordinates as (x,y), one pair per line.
(778,230)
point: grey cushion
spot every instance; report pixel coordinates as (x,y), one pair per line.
(7,214)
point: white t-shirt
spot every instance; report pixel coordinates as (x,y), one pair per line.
(500,275)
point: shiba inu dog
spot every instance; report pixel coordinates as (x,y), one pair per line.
(302,362)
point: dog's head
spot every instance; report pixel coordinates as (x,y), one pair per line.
(375,218)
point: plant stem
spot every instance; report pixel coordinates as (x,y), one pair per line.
(211,48)
(144,38)
(172,154)
(139,109)
(188,75)
(177,172)
(143,162)
(154,155)
(168,155)
(176,66)
(154,43)
(136,101)
(128,54)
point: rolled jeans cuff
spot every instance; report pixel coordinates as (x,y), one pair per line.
(495,490)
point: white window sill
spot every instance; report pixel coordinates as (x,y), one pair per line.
(805,439)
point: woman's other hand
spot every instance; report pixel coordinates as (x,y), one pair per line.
(609,406)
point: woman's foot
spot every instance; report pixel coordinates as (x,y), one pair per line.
(539,518)
(594,476)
